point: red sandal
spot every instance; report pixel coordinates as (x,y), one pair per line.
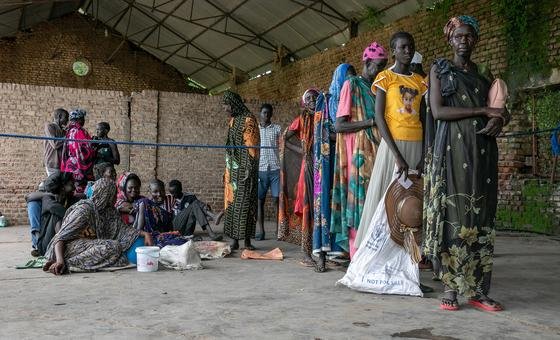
(478,303)
(449,306)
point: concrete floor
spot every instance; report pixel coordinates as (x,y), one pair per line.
(234,298)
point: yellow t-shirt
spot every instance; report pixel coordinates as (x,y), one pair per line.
(402,104)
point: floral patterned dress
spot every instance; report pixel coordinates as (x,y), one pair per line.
(460,186)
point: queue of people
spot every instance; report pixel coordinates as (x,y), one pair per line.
(388,169)
(397,169)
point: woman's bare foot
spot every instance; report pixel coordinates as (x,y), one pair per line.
(307,261)
(248,244)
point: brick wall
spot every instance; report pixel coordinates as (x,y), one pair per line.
(183,118)
(44,56)
(151,116)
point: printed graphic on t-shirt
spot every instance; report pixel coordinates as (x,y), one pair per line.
(407,96)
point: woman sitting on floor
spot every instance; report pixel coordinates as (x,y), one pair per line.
(101,170)
(92,235)
(145,214)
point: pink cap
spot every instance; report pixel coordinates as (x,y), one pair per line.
(374,51)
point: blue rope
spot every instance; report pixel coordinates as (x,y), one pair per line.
(170,145)
(209,146)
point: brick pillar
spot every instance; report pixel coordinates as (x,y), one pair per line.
(143,121)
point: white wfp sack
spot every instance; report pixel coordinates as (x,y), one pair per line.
(183,257)
(380,265)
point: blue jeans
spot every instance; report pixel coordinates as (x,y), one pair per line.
(34,214)
(269,179)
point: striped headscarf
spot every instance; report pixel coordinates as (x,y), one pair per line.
(455,22)
(104,192)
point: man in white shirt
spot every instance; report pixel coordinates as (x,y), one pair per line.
(269,165)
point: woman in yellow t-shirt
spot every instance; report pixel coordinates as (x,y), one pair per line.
(399,96)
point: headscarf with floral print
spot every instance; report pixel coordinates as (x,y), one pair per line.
(455,22)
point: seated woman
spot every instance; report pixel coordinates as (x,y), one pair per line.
(101,170)
(128,193)
(145,214)
(59,187)
(92,235)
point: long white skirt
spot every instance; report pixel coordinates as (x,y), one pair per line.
(381,176)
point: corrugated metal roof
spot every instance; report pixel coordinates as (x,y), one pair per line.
(207,39)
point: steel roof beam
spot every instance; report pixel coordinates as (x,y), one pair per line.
(238,36)
(203,31)
(281,22)
(230,15)
(161,22)
(324,13)
(215,61)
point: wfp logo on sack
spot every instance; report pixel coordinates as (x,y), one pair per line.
(375,240)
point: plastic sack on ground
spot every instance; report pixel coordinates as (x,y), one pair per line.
(183,257)
(380,265)
(212,249)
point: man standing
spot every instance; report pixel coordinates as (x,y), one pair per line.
(53,148)
(269,165)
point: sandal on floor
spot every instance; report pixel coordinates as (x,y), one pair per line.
(449,301)
(486,303)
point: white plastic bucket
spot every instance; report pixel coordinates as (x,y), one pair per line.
(147,259)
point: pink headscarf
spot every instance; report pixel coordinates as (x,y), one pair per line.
(374,51)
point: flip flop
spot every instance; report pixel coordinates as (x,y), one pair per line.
(449,306)
(479,304)
(34,263)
